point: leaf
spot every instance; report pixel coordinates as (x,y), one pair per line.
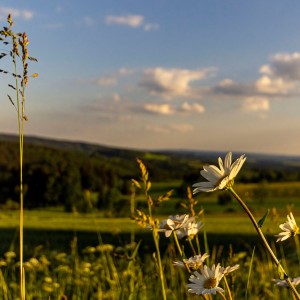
(12,102)
(32,58)
(262,220)
(11,86)
(136,183)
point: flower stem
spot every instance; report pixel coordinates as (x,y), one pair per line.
(161,274)
(222,295)
(192,247)
(265,242)
(227,288)
(177,244)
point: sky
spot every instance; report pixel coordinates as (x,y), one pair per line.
(161,74)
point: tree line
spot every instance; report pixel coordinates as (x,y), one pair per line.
(82,180)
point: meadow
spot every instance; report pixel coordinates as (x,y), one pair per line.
(90,256)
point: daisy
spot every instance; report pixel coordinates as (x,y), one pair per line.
(189,230)
(174,223)
(289,228)
(207,281)
(194,262)
(228,270)
(219,178)
(280,282)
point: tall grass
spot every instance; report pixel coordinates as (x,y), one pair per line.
(18,53)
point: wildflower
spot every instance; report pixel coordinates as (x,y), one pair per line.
(219,178)
(229,269)
(194,262)
(174,223)
(189,230)
(279,282)
(289,228)
(207,282)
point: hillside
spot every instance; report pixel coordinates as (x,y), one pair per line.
(77,174)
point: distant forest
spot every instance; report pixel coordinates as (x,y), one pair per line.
(83,176)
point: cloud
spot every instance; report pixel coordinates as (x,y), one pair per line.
(161,109)
(107,81)
(133,21)
(194,107)
(172,83)
(24,14)
(151,26)
(173,128)
(268,85)
(284,65)
(232,88)
(125,71)
(256,104)
(167,109)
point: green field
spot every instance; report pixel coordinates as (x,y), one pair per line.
(94,222)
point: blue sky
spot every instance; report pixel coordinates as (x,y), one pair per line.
(162,74)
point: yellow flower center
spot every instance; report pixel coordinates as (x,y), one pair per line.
(295,230)
(210,283)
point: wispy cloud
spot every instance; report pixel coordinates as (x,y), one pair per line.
(175,128)
(280,78)
(151,26)
(256,104)
(128,20)
(168,109)
(107,80)
(172,83)
(161,109)
(23,14)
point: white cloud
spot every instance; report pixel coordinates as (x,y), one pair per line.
(268,85)
(232,88)
(151,26)
(256,104)
(125,71)
(128,20)
(194,107)
(24,14)
(285,65)
(172,83)
(175,128)
(107,80)
(161,109)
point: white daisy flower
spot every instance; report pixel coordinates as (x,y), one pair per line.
(194,262)
(174,223)
(228,270)
(207,281)
(279,282)
(289,228)
(219,178)
(189,230)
